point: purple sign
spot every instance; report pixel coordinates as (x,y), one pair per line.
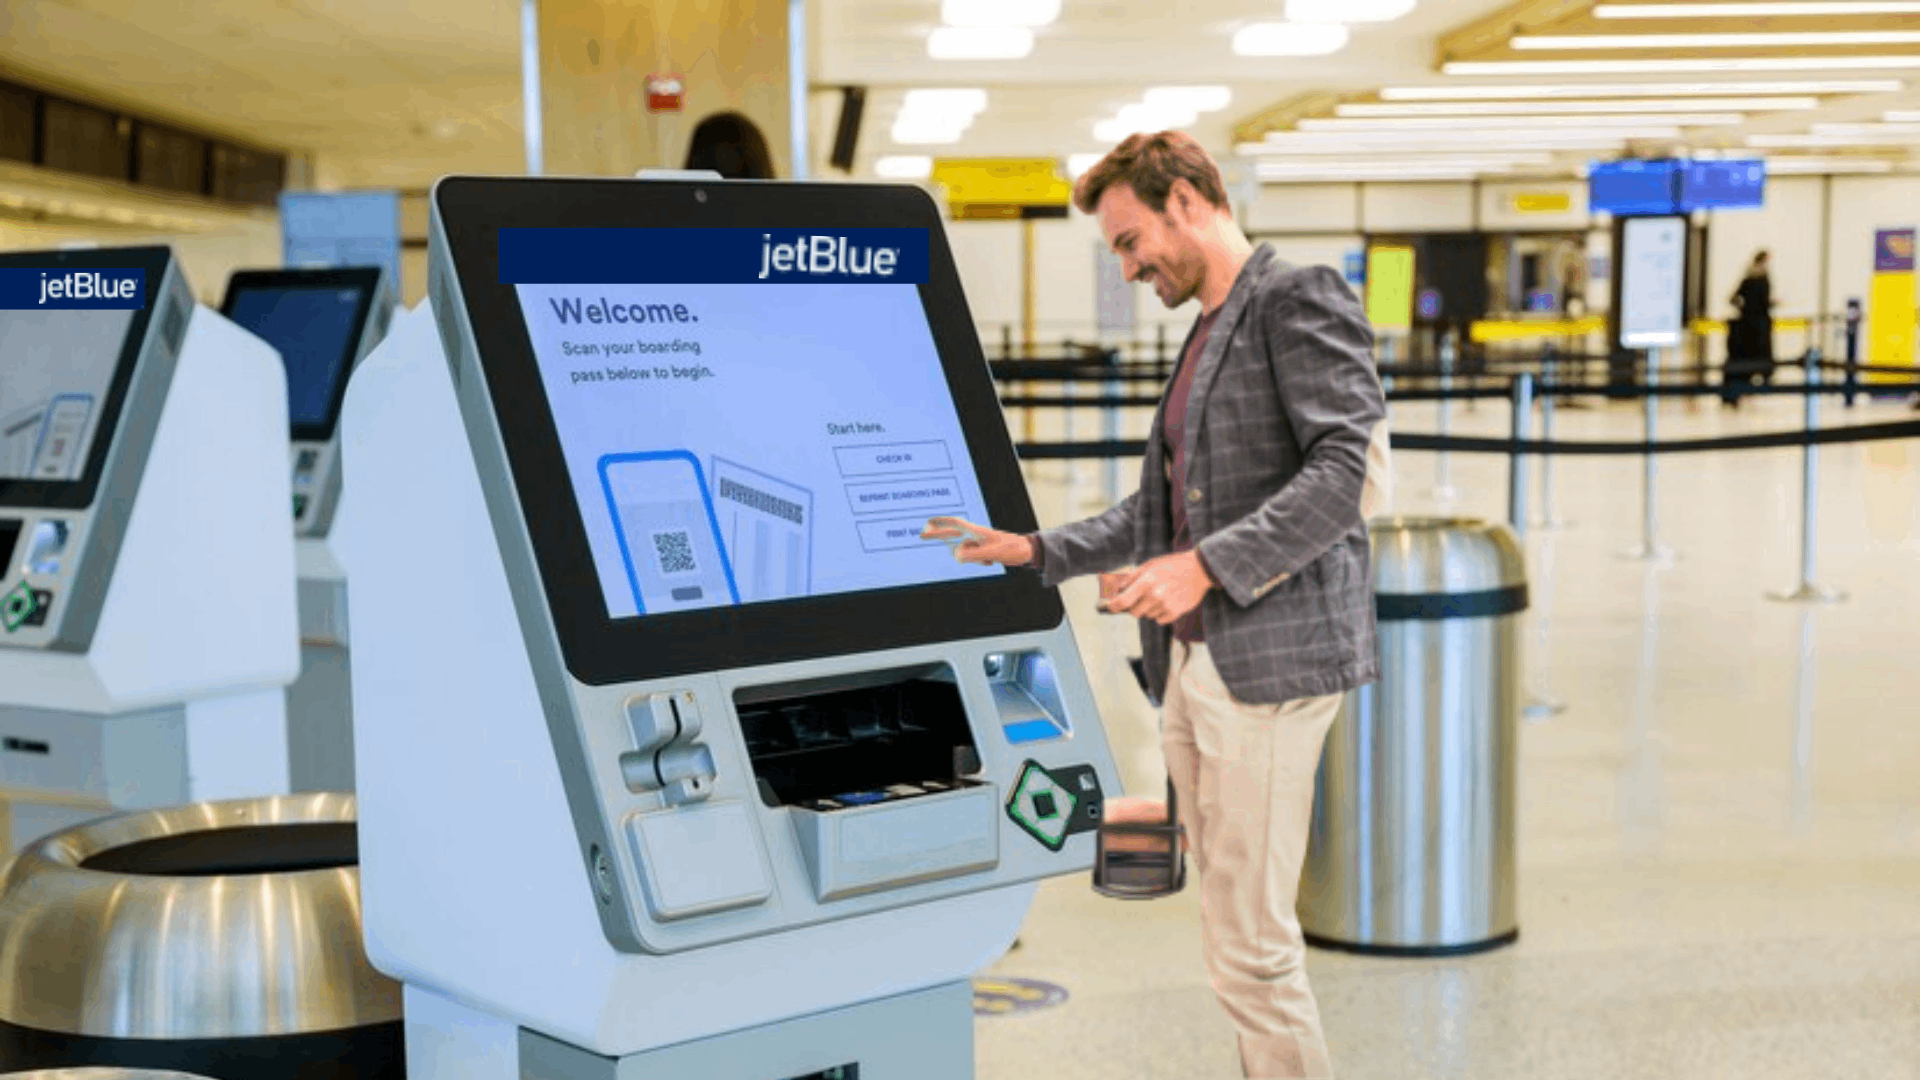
(1893,251)
(1429,304)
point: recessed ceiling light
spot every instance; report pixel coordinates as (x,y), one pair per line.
(1384,157)
(1197,99)
(1348,143)
(1145,116)
(1775,10)
(1622,105)
(999,12)
(1290,39)
(1783,40)
(926,131)
(1651,66)
(904,167)
(1078,164)
(1347,11)
(1493,123)
(945,101)
(1652,89)
(1902,116)
(980,43)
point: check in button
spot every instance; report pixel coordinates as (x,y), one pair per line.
(893,458)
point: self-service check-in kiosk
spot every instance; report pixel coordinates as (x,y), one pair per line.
(678,752)
(147,626)
(323,322)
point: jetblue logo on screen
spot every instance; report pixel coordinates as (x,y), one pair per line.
(763,256)
(35,289)
(816,255)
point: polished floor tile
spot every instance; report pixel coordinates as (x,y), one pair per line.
(1719,850)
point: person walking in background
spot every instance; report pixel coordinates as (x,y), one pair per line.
(1750,334)
(1251,571)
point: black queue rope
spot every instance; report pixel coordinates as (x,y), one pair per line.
(1853,433)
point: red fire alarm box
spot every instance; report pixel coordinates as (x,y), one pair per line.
(665,93)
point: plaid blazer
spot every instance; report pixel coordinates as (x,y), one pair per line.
(1285,420)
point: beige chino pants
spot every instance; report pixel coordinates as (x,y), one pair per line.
(1244,776)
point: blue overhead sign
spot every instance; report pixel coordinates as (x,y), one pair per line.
(324,230)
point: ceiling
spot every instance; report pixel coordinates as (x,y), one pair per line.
(383,93)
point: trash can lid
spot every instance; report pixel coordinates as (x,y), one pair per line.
(100,1073)
(1436,556)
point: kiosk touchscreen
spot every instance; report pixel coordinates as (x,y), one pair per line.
(323,323)
(146,605)
(662,695)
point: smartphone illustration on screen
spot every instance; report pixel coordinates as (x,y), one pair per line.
(669,537)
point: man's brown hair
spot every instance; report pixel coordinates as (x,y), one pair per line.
(1149,164)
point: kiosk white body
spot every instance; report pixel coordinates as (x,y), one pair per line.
(152,671)
(616,877)
(324,322)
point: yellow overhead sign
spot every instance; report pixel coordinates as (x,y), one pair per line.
(1542,202)
(1003,187)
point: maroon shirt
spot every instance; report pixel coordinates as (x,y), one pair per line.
(1187,628)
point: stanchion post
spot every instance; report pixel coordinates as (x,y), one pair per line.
(1110,431)
(1442,487)
(1810,497)
(1650,548)
(1522,395)
(1550,364)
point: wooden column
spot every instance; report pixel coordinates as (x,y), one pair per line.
(596,57)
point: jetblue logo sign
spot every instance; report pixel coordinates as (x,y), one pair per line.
(28,289)
(713,256)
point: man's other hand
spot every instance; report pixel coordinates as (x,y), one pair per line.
(980,544)
(1164,589)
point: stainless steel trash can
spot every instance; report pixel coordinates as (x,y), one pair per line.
(221,939)
(92,1072)
(1411,850)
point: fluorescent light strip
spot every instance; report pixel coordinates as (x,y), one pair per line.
(1776,10)
(1391,173)
(1782,40)
(1679,67)
(1538,130)
(1407,144)
(999,12)
(1436,161)
(1499,123)
(1581,108)
(1653,89)
(1866,129)
(1791,167)
(1793,141)
(1901,116)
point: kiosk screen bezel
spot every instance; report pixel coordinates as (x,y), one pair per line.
(365,280)
(154,261)
(602,650)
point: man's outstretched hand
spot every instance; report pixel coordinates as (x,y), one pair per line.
(979,543)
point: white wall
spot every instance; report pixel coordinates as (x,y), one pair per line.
(1861,205)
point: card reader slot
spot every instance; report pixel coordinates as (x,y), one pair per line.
(857,738)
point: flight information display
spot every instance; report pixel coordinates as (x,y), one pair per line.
(737,444)
(316,330)
(56,368)
(1626,188)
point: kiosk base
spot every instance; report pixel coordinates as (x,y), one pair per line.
(924,1035)
(64,768)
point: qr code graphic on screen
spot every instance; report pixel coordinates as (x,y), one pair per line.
(675,552)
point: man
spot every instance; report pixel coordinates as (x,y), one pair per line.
(1253,581)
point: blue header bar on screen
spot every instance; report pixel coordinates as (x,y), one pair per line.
(70,289)
(713,256)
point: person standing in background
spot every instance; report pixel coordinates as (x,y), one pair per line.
(1750,334)
(1251,567)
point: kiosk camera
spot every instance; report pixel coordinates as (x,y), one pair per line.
(679,752)
(323,322)
(147,623)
